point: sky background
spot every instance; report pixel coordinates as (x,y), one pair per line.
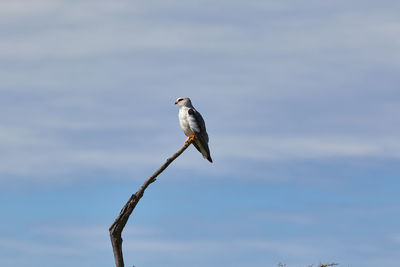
(301,101)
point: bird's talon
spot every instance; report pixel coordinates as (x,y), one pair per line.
(190,138)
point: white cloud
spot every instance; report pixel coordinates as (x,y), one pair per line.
(21,8)
(47,156)
(71,242)
(273,62)
(77,243)
(304,147)
(31,151)
(87,29)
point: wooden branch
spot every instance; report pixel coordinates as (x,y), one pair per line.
(118,226)
(327,264)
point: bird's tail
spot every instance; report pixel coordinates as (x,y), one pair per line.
(204,150)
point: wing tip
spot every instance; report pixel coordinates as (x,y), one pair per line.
(208,157)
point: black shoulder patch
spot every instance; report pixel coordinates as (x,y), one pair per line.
(191,111)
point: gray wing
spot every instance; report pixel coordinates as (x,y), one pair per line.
(196,123)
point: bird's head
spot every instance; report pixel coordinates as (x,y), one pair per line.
(183,101)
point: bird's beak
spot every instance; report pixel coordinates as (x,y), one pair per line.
(176,102)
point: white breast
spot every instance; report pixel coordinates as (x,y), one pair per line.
(184,122)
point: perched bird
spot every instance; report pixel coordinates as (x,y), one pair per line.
(193,126)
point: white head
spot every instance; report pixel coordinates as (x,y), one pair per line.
(183,102)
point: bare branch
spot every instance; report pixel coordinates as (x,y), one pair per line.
(327,264)
(118,226)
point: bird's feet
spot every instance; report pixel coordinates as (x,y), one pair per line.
(191,137)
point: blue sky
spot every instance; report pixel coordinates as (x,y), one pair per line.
(301,102)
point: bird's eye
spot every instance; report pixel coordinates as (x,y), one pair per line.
(180,99)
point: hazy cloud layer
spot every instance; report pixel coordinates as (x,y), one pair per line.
(84,84)
(301,105)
